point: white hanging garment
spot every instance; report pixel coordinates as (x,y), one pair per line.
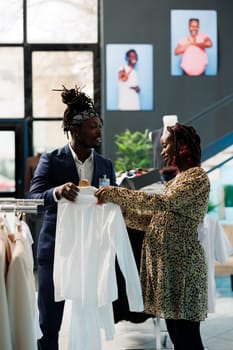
(88,239)
(26,232)
(5,333)
(217,247)
(21,295)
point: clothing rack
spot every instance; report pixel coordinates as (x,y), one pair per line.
(21,204)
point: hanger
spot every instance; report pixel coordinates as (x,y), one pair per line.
(24,217)
(83,183)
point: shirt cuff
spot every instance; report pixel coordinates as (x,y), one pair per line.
(54,195)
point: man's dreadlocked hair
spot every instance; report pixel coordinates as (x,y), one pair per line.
(187,143)
(80,107)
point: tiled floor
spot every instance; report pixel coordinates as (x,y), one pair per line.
(217,330)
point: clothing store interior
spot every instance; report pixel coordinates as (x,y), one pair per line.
(142,69)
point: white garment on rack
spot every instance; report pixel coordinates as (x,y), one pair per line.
(26,232)
(5,333)
(28,236)
(21,296)
(217,247)
(88,238)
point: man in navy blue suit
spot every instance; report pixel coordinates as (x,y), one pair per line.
(57,175)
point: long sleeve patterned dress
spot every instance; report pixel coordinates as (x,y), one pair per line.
(173,265)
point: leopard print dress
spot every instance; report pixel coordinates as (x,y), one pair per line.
(173,266)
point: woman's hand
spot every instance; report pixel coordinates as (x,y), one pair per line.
(100,194)
(123,210)
(68,191)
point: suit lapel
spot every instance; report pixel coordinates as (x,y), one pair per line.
(98,169)
(70,164)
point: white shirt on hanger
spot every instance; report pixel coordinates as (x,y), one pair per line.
(21,295)
(88,239)
(5,333)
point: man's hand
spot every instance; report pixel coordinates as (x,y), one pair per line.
(68,191)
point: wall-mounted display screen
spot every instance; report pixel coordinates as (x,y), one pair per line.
(129,77)
(7,163)
(194,42)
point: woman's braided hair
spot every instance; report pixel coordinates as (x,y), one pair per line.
(79,107)
(187,143)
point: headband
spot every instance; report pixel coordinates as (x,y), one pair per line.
(82,116)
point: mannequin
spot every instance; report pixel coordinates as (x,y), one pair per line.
(158,161)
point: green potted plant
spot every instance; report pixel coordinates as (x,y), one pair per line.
(134,150)
(228,195)
(228,201)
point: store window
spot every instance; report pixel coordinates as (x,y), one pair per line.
(11,21)
(53,69)
(44,44)
(59,21)
(48,135)
(7,164)
(11,82)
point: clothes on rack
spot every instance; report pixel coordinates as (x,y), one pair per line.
(88,239)
(5,332)
(18,304)
(217,248)
(21,294)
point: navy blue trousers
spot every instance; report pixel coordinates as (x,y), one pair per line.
(50,312)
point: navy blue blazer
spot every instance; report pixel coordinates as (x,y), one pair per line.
(54,169)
